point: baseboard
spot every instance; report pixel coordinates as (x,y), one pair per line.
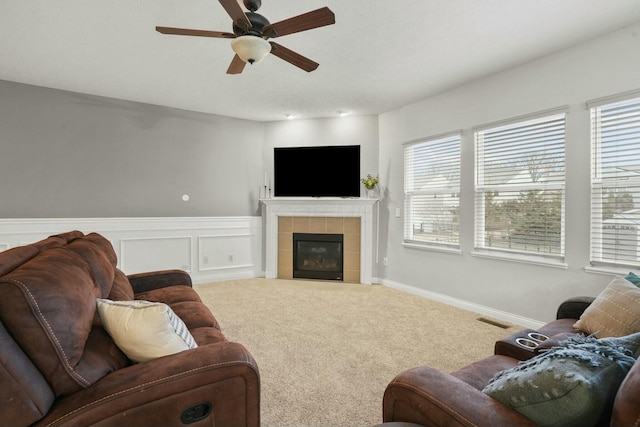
(465,305)
(204,279)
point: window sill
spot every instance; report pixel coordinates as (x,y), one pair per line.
(608,271)
(523,259)
(427,247)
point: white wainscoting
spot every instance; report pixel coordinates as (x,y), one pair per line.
(210,248)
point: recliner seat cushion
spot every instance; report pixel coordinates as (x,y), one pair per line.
(185,302)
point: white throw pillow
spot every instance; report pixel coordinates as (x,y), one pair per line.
(614,313)
(144,330)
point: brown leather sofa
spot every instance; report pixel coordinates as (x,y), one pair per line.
(429,397)
(59,367)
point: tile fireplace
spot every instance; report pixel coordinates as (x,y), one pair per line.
(352,218)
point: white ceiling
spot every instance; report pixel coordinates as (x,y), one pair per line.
(380,54)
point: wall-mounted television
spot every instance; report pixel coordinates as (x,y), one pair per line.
(319,171)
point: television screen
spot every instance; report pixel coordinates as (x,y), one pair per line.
(321,171)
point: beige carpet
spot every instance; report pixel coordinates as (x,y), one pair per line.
(327,350)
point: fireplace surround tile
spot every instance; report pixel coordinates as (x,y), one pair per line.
(335,225)
(317,225)
(352,225)
(285,224)
(301,224)
(352,276)
(285,241)
(352,242)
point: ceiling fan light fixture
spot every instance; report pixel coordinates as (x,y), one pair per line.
(251,49)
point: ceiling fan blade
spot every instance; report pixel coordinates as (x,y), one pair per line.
(236,13)
(293,57)
(236,66)
(306,21)
(190,32)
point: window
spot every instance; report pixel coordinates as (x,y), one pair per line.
(432,192)
(519,187)
(615,183)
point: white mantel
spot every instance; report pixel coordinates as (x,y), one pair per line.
(319,207)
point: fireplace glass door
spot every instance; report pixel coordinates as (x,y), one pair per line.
(318,256)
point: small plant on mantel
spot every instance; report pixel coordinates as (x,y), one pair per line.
(370,182)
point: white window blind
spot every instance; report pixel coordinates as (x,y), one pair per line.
(615,183)
(520,184)
(432,191)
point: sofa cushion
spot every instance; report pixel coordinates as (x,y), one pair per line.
(185,302)
(102,269)
(121,289)
(614,313)
(207,335)
(24,394)
(57,240)
(48,304)
(15,257)
(195,314)
(170,294)
(144,330)
(105,246)
(571,385)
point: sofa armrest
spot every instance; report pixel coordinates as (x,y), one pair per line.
(573,308)
(143,282)
(221,376)
(424,395)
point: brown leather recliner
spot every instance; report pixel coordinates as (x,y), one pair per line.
(59,367)
(432,398)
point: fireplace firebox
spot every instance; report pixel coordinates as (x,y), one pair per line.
(318,256)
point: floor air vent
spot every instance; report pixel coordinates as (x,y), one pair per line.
(494,322)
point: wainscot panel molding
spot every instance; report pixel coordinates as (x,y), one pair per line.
(211,249)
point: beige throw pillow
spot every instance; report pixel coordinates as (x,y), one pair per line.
(144,330)
(614,313)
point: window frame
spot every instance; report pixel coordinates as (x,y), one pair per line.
(454,139)
(597,261)
(482,188)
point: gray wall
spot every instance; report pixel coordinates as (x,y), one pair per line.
(69,155)
(603,67)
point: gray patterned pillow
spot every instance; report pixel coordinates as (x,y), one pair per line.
(570,385)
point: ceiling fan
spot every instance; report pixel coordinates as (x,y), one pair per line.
(252,30)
